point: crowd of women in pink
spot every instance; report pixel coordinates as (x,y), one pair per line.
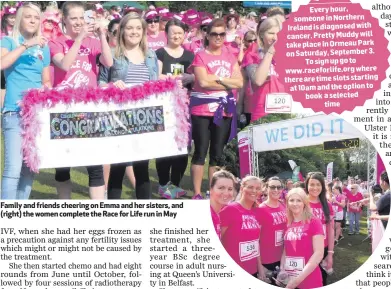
(289,245)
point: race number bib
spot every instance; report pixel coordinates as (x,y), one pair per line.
(324,231)
(279,238)
(294,265)
(213,106)
(249,250)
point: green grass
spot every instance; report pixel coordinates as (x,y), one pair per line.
(44,184)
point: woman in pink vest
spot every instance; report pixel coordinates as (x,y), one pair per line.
(271,216)
(260,67)
(303,244)
(212,102)
(240,229)
(322,209)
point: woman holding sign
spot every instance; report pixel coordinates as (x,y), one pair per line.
(271,216)
(74,56)
(322,209)
(260,67)
(25,59)
(173,62)
(240,229)
(212,103)
(303,244)
(134,64)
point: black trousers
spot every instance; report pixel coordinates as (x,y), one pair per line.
(95,175)
(141,174)
(171,169)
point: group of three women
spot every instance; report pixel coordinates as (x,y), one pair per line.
(295,238)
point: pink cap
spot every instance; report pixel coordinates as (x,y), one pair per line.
(263,17)
(162,10)
(116,16)
(168,16)
(192,18)
(178,16)
(206,18)
(151,14)
(99,8)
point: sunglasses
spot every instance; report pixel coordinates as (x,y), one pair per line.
(251,40)
(204,29)
(215,34)
(114,32)
(275,187)
(150,21)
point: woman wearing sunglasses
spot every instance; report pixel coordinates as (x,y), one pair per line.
(260,67)
(222,191)
(240,230)
(25,59)
(156,39)
(173,62)
(134,64)
(75,56)
(322,210)
(303,244)
(271,216)
(112,31)
(212,103)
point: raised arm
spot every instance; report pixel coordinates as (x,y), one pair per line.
(8,57)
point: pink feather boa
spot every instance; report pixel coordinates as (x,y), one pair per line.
(36,100)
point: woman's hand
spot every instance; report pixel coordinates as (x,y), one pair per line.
(100,29)
(120,84)
(85,30)
(37,40)
(271,49)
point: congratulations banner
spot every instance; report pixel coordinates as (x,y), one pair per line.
(80,127)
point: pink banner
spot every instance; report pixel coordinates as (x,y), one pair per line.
(380,168)
(244,154)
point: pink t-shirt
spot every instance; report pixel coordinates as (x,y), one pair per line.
(273,226)
(338,208)
(154,43)
(241,239)
(299,249)
(83,70)
(216,222)
(355,208)
(221,65)
(317,211)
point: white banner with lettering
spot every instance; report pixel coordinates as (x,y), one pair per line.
(301,132)
(329,176)
(96,132)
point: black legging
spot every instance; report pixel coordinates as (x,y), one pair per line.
(176,164)
(206,132)
(141,174)
(95,175)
